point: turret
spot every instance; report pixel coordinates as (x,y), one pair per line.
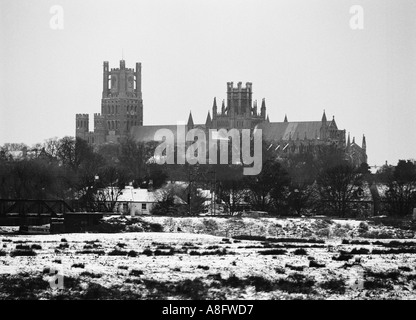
(263,109)
(348,141)
(82,125)
(208,122)
(364,144)
(255,108)
(190,121)
(324,118)
(105,79)
(333,123)
(138,75)
(214,108)
(230,98)
(99,128)
(99,125)
(323,132)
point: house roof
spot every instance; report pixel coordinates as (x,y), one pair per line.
(137,195)
(284,130)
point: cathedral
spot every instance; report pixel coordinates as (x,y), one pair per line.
(122,116)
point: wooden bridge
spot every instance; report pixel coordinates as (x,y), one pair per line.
(38,212)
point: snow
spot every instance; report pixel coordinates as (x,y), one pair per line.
(242,261)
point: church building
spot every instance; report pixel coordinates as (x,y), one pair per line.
(122,116)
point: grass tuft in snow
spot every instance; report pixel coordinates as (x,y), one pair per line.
(147,252)
(64,245)
(117,252)
(296,268)
(314,264)
(136,273)
(78,265)
(343,257)
(203,267)
(132,253)
(334,285)
(22,247)
(273,252)
(90,275)
(23,253)
(300,252)
(99,252)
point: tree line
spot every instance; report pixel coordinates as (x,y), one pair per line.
(92,179)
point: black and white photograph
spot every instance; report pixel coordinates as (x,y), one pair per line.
(227,151)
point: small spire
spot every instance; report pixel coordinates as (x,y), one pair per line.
(353,140)
(214,108)
(190,121)
(268,120)
(223,107)
(364,143)
(285,118)
(324,117)
(263,103)
(263,109)
(348,141)
(208,122)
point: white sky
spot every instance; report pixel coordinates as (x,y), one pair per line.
(301,55)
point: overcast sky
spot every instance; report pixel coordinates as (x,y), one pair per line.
(301,56)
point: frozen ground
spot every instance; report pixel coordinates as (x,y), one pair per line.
(296,258)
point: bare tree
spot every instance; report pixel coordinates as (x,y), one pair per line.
(338,186)
(401,193)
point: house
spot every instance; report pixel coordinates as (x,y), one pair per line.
(139,201)
(135,201)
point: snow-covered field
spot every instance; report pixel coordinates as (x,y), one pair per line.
(184,265)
